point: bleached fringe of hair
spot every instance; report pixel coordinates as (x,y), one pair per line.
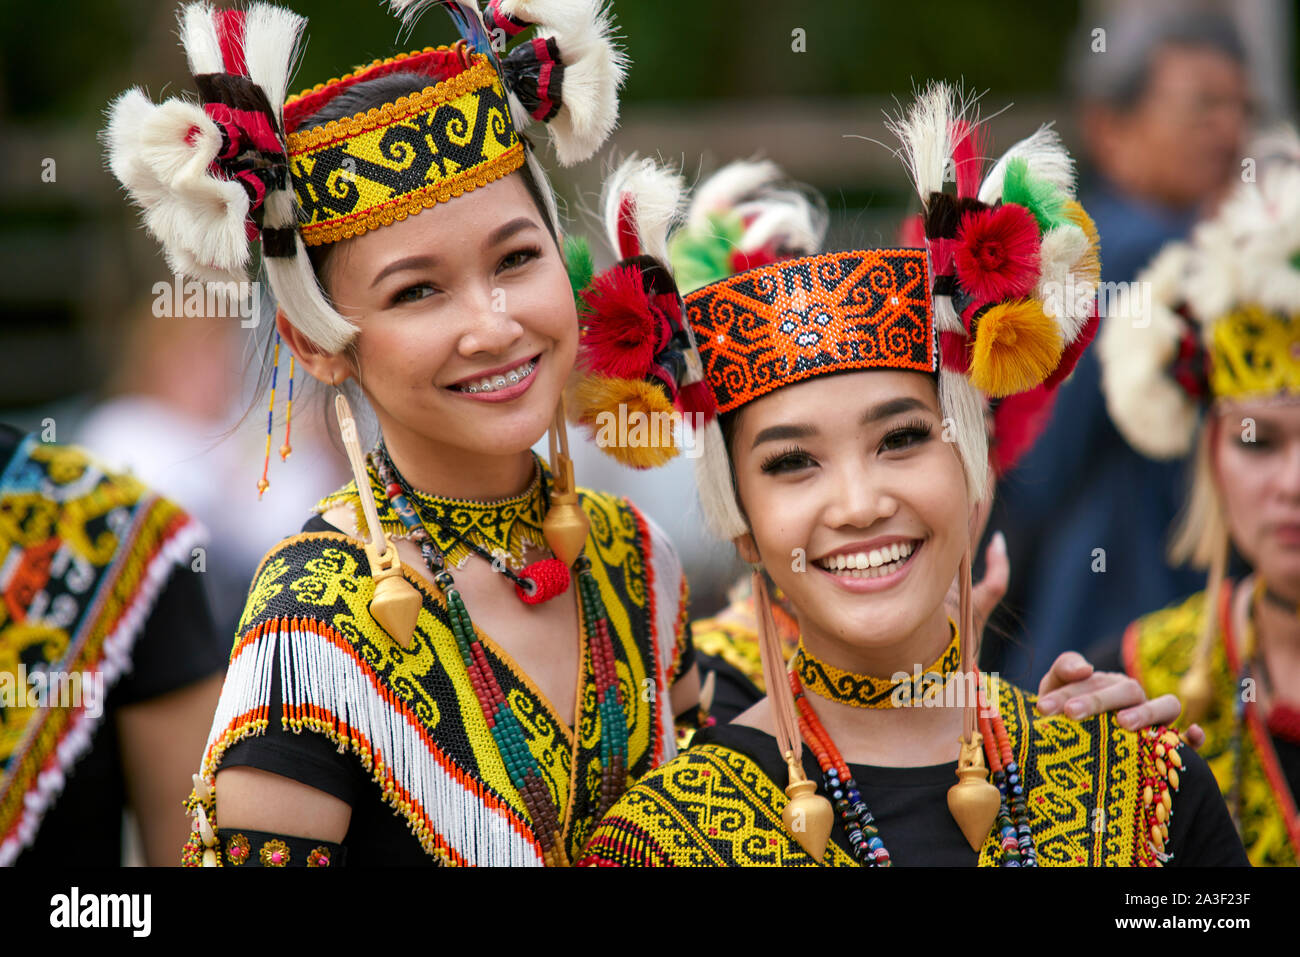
(1200,528)
(962,405)
(722,514)
(1046,157)
(658,193)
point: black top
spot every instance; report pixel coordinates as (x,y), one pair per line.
(910,806)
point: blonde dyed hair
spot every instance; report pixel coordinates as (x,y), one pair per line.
(1200,531)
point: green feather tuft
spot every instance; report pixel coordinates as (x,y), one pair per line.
(700,257)
(1044,200)
(577,260)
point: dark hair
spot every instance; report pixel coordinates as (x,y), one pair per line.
(375,93)
(1119,77)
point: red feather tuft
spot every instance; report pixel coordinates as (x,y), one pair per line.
(230,34)
(1018,421)
(629,243)
(997,253)
(968,158)
(912,232)
(1070,357)
(623,329)
(697,398)
(954,348)
(740,261)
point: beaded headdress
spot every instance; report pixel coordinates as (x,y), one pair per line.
(237,166)
(1217,316)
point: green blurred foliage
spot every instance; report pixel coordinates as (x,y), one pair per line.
(65,60)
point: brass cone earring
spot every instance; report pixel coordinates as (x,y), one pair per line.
(566,525)
(808,816)
(396,604)
(973,801)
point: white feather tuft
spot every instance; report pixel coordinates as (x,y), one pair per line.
(946,318)
(658,192)
(271,45)
(1062,247)
(728,187)
(1046,157)
(199,38)
(300,296)
(594,70)
(1135,347)
(925,138)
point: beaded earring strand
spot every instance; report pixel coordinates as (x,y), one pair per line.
(507,732)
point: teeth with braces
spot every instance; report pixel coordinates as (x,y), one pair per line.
(501,380)
(876,563)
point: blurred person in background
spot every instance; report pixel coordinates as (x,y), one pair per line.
(174,417)
(1164,110)
(109,665)
(1212,364)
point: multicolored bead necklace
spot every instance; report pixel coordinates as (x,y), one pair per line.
(864,838)
(507,731)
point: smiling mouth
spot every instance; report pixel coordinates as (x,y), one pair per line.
(873,563)
(498,381)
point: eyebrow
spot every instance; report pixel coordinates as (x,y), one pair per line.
(410,262)
(502,233)
(882,410)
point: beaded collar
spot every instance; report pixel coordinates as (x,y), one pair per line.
(868,691)
(502,527)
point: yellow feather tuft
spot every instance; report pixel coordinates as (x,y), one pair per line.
(629,419)
(1017,346)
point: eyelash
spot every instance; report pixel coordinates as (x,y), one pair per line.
(528,253)
(781,461)
(916,431)
(785,460)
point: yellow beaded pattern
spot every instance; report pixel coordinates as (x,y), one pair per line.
(377,167)
(712,806)
(1159,649)
(1255,353)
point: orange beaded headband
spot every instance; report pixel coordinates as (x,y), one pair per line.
(357,174)
(765,328)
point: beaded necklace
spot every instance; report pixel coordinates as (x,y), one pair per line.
(507,731)
(864,837)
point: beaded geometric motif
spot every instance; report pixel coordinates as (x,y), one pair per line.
(764,328)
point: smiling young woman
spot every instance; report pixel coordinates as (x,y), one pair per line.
(1212,361)
(847,462)
(411,241)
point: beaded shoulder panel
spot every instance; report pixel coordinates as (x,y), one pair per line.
(83,555)
(411,716)
(713,806)
(1158,651)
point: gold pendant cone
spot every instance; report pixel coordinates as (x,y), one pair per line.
(566,524)
(973,802)
(1197,692)
(808,816)
(396,604)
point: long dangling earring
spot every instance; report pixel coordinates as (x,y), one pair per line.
(566,525)
(808,816)
(396,604)
(264,483)
(973,801)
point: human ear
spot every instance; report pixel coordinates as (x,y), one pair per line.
(747,548)
(325,367)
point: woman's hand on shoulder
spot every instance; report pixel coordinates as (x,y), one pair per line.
(1073,687)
